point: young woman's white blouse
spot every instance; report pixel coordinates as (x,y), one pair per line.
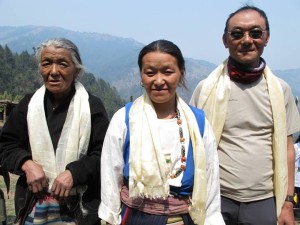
(112,172)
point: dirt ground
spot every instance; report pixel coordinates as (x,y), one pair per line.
(9,200)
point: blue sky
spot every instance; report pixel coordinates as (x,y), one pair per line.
(195,26)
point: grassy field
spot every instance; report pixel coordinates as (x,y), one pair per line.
(9,199)
(10,210)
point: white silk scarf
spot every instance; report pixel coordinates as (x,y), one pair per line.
(148,174)
(74,139)
(213,100)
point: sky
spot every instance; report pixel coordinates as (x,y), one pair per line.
(196,26)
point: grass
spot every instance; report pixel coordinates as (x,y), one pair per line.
(9,199)
(9,202)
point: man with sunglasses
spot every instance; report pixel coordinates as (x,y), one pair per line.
(253,115)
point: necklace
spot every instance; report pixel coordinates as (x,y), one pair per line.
(182,139)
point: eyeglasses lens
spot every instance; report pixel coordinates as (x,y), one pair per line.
(238,34)
(255,34)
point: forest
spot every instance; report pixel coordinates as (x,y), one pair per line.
(19,75)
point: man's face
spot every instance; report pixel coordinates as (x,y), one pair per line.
(246,37)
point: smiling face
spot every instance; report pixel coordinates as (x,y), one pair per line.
(246,50)
(58,70)
(160,76)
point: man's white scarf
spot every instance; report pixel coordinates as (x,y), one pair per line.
(148,173)
(74,139)
(213,100)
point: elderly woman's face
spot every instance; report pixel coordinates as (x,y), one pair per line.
(58,70)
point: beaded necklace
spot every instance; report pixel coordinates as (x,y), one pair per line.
(182,139)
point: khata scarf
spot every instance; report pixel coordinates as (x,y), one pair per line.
(241,74)
(74,138)
(213,100)
(148,174)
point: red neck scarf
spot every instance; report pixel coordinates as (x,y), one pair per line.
(242,74)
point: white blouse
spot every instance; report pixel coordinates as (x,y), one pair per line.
(112,164)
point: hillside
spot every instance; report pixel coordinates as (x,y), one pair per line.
(292,77)
(98,51)
(110,58)
(19,76)
(114,59)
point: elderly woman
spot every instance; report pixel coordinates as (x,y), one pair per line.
(159,161)
(53,140)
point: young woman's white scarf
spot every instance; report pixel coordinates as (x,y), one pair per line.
(148,174)
(213,100)
(74,139)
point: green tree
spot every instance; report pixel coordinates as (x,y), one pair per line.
(19,76)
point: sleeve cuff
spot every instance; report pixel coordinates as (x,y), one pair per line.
(107,215)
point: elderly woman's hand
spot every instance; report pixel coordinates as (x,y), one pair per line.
(62,185)
(36,178)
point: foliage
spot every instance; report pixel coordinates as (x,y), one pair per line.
(19,76)
(109,95)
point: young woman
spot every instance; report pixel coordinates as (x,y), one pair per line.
(159,162)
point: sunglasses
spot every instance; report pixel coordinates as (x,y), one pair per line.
(239,34)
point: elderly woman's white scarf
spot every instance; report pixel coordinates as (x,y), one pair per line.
(213,100)
(148,173)
(74,139)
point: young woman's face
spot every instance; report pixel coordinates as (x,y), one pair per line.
(58,70)
(160,76)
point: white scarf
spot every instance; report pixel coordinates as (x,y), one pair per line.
(147,167)
(74,139)
(213,100)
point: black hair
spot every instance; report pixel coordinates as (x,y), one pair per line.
(245,8)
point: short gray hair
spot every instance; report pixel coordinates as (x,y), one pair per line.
(62,43)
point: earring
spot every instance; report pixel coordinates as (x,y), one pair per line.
(141,83)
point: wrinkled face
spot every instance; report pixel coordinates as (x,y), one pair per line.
(58,70)
(160,75)
(247,48)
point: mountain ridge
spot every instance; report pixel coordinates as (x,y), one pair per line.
(114,59)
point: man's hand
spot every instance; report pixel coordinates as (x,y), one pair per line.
(287,214)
